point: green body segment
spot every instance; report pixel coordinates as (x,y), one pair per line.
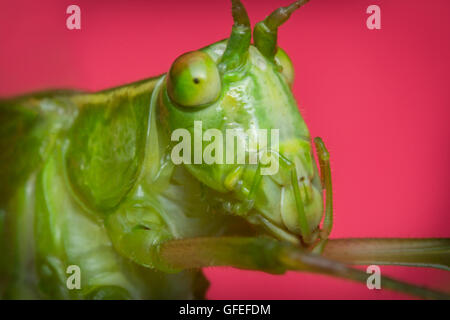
(53,208)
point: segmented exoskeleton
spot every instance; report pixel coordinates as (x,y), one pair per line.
(87,179)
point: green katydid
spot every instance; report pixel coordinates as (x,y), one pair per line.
(87,179)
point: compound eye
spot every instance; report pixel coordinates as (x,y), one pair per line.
(194,80)
(285,63)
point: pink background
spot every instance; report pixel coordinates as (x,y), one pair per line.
(380,99)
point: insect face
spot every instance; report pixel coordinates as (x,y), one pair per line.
(248,141)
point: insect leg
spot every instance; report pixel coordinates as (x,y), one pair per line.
(271,256)
(411,252)
(408,252)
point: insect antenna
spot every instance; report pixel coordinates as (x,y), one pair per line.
(266,31)
(236,52)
